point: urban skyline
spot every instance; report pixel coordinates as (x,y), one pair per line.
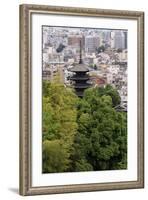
(104,52)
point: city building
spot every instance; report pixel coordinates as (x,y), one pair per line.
(74,40)
(118,40)
(125,38)
(91,43)
(98,81)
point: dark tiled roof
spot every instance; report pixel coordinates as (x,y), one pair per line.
(77,77)
(82,85)
(79,68)
(121,108)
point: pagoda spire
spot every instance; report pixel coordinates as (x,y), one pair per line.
(80,61)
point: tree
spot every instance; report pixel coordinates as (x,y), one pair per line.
(119,50)
(59,124)
(55,157)
(101,49)
(100,143)
(95,67)
(60,48)
(112,92)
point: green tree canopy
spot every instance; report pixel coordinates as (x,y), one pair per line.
(82,134)
(100,142)
(59,121)
(55,156)
(101,49)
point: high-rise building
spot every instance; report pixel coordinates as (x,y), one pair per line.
(112,42)
(91,43)
(125,39)
(107,35)
(118,40)
(74,40)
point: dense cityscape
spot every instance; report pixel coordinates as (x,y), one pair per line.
(103,51)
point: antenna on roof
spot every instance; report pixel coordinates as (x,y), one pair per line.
(80,61)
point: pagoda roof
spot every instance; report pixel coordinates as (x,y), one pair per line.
(82,85)
(121,108)
(79,68)
(77,77)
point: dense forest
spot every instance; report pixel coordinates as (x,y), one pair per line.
(82,134)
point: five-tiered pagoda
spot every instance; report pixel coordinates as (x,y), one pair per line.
(80,78)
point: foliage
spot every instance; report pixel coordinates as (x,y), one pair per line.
(60,48)
(101,49)
(59,122)
(55,157)
(119,50)
(101,141)
(110,91)
(82,134)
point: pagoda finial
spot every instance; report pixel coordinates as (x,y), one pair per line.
(80,61)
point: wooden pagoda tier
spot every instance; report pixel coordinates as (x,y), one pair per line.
(80,78)
(76,77)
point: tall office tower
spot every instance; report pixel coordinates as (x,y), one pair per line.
(112,41)
(125,39)
(91,43)
(107,35)
(118,40)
